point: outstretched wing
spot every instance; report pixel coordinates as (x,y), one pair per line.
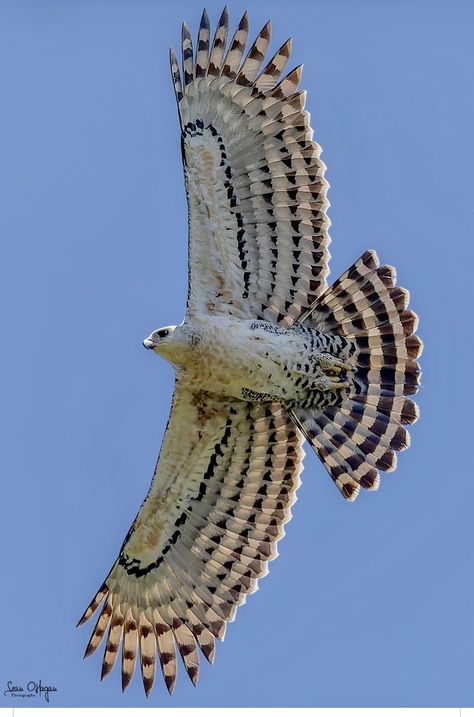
(222,490)
(255,184)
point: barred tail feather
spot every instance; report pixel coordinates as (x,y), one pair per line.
(360,437)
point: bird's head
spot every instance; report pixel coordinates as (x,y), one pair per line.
(173,343)
(160,339)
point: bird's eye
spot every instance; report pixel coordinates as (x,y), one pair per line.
(163,333)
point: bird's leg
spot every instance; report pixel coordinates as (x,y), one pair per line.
(328,362)
(334,372)
(329,383)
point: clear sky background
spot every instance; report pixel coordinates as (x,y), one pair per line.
(369,603)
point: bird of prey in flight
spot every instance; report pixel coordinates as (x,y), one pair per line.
(268,356)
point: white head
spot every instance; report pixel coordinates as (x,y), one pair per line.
(158,338)
(171,342)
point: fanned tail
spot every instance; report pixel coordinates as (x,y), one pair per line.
(358,438)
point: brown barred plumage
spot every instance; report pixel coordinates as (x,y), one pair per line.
(275,192)
(359,438)
(345,359)
(231,525)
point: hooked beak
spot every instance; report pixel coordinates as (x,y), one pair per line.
(149,344)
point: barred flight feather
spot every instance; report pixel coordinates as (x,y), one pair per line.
(223,527)
(254,196)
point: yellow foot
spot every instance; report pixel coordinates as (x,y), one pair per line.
(329,383)
(331,363)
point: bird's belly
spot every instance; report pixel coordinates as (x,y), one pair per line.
(256,380)
(242,365)
(257,361)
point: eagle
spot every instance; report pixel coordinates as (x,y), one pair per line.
(267,357)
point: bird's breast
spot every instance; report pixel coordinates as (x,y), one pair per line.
(240,359)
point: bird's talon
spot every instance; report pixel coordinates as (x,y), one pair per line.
(339,384)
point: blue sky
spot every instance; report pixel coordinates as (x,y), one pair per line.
(369,603)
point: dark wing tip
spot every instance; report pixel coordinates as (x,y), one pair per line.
(94,604)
